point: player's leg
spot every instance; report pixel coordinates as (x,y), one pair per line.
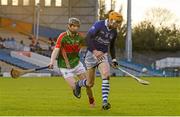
(88,83)
(91,63)
(89,92)
(90,76)
(68,75)
(71,82)
(104,69)
(80,71)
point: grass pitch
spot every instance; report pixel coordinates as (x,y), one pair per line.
(52,96)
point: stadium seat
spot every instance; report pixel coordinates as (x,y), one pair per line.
(5,57)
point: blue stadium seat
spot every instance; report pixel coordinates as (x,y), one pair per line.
(138,68)
(5,57)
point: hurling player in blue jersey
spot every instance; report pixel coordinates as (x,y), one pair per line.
(101,37)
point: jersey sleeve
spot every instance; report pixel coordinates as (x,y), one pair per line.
(94,29)
(59,40)
(91,34)
(112,47)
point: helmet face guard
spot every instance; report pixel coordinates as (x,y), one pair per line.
(74,21)
(73,25)
(115,18)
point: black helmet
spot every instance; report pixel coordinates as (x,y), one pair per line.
(74,21)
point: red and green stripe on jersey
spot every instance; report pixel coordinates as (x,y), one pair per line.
(71,45)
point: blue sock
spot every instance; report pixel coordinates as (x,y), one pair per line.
(105,90)
(82,83)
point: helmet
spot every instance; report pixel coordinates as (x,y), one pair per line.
(115,16)
(74,21)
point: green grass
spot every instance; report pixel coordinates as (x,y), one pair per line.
(52,96)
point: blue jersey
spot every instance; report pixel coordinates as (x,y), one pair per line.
(100,37)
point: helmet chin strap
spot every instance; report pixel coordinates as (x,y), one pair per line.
(111,23)
(72,33)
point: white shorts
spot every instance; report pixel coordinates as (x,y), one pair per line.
(91,61)
(67,73)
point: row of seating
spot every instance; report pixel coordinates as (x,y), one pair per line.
(132,67)
(138,68)
(5,33)
(6,57)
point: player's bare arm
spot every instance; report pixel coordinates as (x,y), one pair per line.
(53,57)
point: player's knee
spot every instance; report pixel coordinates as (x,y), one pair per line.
(90,84)
(105,74)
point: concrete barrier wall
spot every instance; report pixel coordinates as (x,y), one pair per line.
(33,58)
